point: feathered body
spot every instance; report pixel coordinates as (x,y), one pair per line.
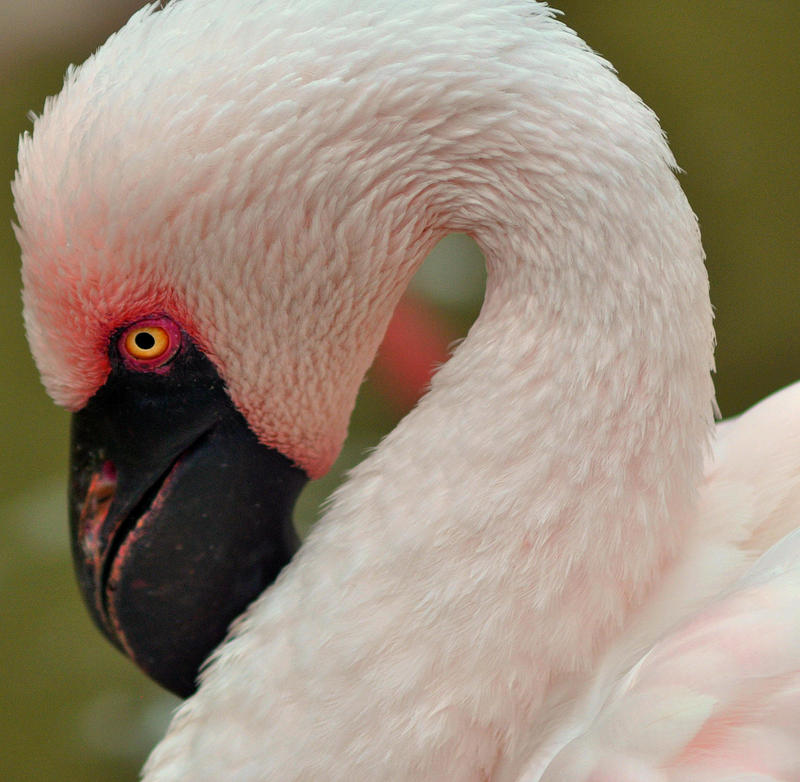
(483,588)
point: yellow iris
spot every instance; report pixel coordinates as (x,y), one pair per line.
(147,342)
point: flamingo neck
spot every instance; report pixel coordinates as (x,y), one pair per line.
(501,535)
(532,499)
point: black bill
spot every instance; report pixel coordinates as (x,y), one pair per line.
(179,516)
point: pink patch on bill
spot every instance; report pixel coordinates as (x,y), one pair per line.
(94,511)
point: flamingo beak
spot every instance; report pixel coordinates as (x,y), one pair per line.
(179,516)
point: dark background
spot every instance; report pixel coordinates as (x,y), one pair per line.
(724,77)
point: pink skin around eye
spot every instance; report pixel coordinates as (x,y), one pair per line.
(160,364)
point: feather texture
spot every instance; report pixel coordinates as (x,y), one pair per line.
(545,571)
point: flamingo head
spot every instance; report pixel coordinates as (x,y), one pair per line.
(206,280)
(218,215)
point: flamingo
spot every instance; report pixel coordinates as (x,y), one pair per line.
(556,567)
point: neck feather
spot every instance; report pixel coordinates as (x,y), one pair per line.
(497,539)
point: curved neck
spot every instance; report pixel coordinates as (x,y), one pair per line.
(503,532)
(550,470)
(497,539)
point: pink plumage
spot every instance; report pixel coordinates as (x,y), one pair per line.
(550,569)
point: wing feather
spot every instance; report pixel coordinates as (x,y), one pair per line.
(718,698)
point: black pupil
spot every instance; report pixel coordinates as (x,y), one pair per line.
(144,341)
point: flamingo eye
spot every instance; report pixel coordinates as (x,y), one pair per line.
(149,344)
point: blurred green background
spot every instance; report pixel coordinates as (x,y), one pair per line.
(724,77)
